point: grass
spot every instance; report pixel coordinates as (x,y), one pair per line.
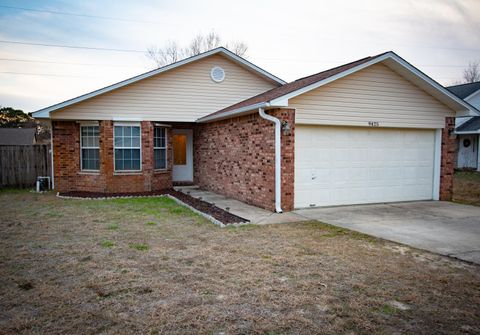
(139,246)
(466,187)
(188,276)
(107,244)
(151,223)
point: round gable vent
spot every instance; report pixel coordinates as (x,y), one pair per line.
(217,74)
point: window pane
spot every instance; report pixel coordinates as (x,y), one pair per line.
(136,142)
(118,131)
(127,159)
(90,159)
(118,142)
(127,131)
(136,131)
(160,157)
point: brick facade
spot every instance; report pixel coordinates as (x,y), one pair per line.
(69,177)
(447,164)
(236,157)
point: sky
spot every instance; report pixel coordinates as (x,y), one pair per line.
(290,39)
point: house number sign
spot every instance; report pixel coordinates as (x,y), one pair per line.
(373,124)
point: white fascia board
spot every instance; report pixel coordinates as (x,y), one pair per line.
(45,112)
(467,132)
(232,113)
(388,55)
(477,92)
(252,66)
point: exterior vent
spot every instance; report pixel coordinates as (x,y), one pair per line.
(217,74)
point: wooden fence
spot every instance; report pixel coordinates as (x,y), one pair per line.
(20,165)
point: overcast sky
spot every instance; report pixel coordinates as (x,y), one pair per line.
(290,39)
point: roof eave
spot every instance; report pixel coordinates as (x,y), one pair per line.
(44,113)
(461,104)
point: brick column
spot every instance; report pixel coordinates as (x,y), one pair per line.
(447,165)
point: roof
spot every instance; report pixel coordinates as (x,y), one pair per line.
(45,112)
(17,136)
(278,97)
(464,90)
(472,125)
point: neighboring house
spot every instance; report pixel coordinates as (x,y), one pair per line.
(17,136)
(468,128)
(374,130)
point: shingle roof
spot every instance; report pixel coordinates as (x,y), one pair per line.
(464,90)
(471,125)
(294,85)
(17,136)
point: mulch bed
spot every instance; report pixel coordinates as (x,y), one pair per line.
(219,214)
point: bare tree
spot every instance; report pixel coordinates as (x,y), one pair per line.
(172,52)
(238,48)
(169,53)
(472,73)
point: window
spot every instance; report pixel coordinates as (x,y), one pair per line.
(127,148)
(160,148)
(89,148)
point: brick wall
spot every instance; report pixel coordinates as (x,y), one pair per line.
(69,177)
(447,165)
(236,157)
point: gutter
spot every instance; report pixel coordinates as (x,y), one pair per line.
(278,158)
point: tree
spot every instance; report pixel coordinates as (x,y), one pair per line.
(472,73)
(171,52)
(15,118)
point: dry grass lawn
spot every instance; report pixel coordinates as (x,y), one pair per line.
(150,266)
(466,187)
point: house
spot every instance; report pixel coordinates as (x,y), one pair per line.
(374,130)
(18,136)
(468,128)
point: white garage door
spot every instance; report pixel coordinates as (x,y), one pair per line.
(354,165)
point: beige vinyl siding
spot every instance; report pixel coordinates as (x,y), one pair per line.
(376,94)
(182,94)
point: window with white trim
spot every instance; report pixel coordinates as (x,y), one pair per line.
(160,148)
(89,148)
(127,145)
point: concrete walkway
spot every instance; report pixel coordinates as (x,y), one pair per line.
(442,227)
(253,214)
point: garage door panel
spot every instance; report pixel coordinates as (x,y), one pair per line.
(346,165)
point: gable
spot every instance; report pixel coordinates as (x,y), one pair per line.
(183,94)
(373,94)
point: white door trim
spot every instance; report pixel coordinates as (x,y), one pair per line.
(437,164)
(184,173)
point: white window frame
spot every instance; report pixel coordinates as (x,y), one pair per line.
(126,124)
(165,147)
(84,125)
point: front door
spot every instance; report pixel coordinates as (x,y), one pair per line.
(182,142)
(467,151)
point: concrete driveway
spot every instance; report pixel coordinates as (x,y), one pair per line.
(441,227)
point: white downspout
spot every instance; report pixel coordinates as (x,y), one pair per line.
(278,158)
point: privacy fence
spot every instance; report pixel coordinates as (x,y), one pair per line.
(20,165)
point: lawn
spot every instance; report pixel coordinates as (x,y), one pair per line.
(149,266)
(466,187)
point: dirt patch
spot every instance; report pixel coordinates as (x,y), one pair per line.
(184,275)
(466,187)
(200,205)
